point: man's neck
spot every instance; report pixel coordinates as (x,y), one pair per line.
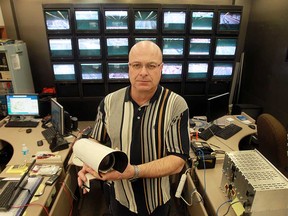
(142,98)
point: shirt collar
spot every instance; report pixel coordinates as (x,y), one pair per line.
(153,99)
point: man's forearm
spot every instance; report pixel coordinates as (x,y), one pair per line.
(168,165)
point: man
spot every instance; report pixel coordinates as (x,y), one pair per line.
(150,124)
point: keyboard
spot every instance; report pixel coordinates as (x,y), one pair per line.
(229,131)
(6,195)
(49,134)
(209,132)
(28,124)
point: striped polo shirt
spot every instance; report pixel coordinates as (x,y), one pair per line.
(145,133)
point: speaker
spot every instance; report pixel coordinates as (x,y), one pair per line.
(67,123)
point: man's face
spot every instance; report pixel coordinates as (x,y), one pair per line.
(145,67)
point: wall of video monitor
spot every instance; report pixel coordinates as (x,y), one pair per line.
(90,43)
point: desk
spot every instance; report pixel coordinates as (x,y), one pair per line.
(214,197)
(17,136)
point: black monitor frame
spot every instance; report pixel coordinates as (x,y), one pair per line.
(222,77)
(223,55)
(217,106)
(96,77)
(61,56)
(71,77)
(190,76)
(146,9)
(117,10)
(166,77)
(89,46)
(87,21)
(229,29)
(178,9)
(173,55)
(117,56)
(199,56)
(54,12)
(119,79)
(202,31)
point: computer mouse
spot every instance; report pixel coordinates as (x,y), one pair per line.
(252,126)
(29,130)
(201,129)
(39,142)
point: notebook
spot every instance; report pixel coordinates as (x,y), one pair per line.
(10,189)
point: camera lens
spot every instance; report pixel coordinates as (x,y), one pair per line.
(107,163)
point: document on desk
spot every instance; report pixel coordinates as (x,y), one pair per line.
(18,208)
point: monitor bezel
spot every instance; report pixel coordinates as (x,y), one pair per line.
(90,80)
(117,56)
(61,123)
(174,10)
(61,38)
(179,77)
(58,31)
(110,80)
(222,77)
(229,31)
(64,63)
(7,96)
(146,31)
(88,30)
(88,57)
(198,56)
(165,56)
(225,56)
(202,31)
(190,78)
(217,98)
(116,9)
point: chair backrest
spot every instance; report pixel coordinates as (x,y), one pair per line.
(272,137)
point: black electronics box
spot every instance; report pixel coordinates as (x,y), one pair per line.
(209,161)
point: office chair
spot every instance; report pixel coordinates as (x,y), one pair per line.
(272,137)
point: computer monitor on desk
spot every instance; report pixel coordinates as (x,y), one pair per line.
(217,106)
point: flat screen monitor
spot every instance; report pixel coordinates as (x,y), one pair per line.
(173,46)
(225,47)
(57,20)
(199,47)
(118,71)
(57,116)
(116,19)
(202,20)
(89,47)
(22,104)
(64,71)
(229,21)
(87,20)
(222,69)
(174,21)
(117,47)
(217,106)
(197,70)
(145,20)
(61,48)
(91,71)
(172,71)
(138,39)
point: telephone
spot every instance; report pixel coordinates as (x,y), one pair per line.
(200,146)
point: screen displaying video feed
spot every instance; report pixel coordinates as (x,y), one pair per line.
(197,70)
(226,46)
(64,72)
(87,20)
(199,46)
(145,20)
(116,19)
(60,47)
(173,46)
(138,39)
(202,20)
(174,20)
(117,47)
(172,70)
(91,71)
(118,71)
(229,21)
(57,19)
(89,47)
(222,69)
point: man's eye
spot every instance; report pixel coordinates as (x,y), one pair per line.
(151,66)
(136,66)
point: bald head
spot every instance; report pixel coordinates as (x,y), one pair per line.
(147,51)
